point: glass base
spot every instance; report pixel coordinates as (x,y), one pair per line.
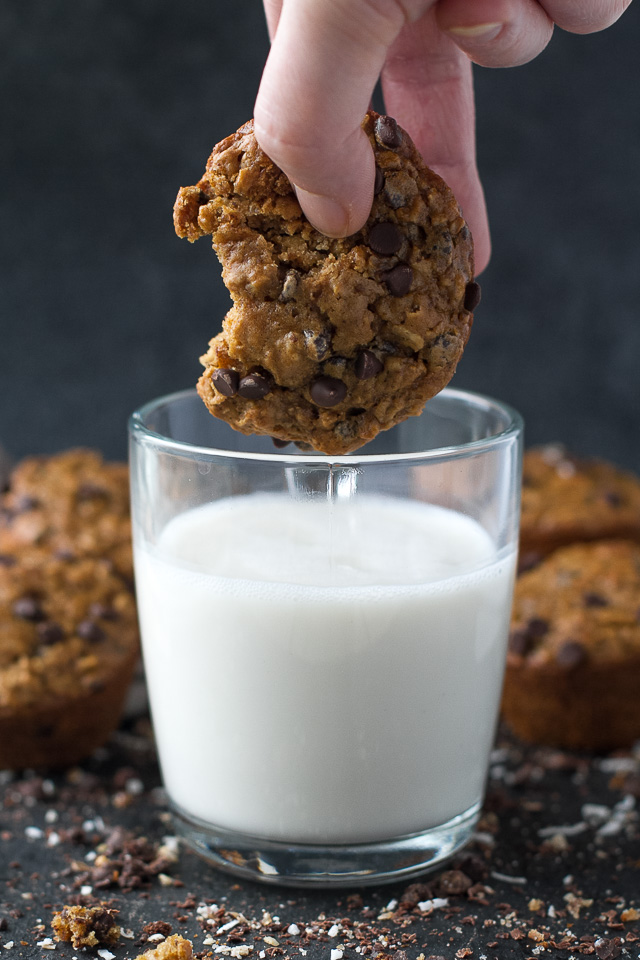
(307,865)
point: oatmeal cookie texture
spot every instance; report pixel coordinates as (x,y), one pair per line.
(329,341)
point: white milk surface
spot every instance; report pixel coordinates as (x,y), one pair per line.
(312,700)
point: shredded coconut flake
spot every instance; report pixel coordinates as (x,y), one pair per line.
(426,906)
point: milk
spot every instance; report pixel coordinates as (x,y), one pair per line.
(310,701)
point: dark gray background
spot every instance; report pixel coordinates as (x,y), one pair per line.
(108,106)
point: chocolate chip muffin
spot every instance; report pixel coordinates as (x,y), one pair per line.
(72,504)
(329,341)
(68,648)
(573,665)
(566,499)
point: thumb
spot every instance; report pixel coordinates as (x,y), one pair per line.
(324,63)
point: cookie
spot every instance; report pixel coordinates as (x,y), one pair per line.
(174,947)
(573,664)
(68,647)
(86,926)
(329,341)
(567,499)
(72,504)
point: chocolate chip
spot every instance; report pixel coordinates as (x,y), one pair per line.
(7,560)
(472,296)
(24,503)
(537,627)
(520,642)
(89,630)
(367,365)
(63,553)
(385,238)
(100,611)
(613,498)
(608,949)
(379,181)
(28,608)
(253,387)
(277,442)
(387,132)
(398,279)
(523,639)
(529,559)
(570,655)
(49,633)
(592,599)
(226,381)
(91,491)
(328,391)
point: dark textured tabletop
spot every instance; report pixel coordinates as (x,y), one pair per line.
(553,871)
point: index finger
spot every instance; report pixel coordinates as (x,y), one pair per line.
(587,16)
(324,62)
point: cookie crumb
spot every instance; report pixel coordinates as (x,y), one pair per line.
(86,926)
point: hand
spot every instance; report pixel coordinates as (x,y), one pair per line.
(326,58)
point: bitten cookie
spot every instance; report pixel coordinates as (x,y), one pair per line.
(330,341)
(71,504)
(573,665)
(566,499)
(68,648)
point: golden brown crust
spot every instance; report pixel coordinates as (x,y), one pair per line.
(566,499)
(68,623)
(573,666)
(349,336)
(68,648)
(71,504)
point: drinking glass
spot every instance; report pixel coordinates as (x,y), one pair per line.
(324,637)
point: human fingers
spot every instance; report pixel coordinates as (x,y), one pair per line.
(324,62)
(272,10)
(497,33)
(587,16)
(428,87)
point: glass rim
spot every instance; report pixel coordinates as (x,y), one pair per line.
(139,431)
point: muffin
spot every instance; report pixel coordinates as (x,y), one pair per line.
(566,499)
(68,648)
(573,665)
(71,504)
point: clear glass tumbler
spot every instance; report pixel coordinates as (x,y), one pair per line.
(324,638)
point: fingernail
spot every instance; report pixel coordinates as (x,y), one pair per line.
(327,215)
(479,31)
